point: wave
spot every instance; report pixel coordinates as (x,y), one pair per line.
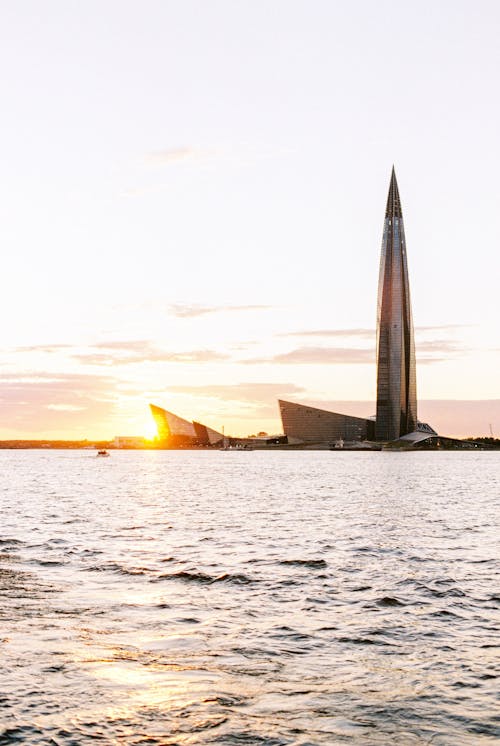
(359,640)
(118,569)
(439,593)
(10,542)
(204,579)
(314,564)
(389,601)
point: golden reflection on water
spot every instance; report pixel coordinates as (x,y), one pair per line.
(142,676)
(161,692)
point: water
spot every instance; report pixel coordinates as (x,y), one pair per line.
(249,598)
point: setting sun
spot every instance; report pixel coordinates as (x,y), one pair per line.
(150,432)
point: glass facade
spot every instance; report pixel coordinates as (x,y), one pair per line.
(396,372)
(310,425)
(176,431)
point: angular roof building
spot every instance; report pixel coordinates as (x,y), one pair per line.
(176,431)
(311,425)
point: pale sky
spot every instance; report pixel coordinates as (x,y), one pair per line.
(192,197)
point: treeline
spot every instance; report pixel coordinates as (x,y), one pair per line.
(495,442)
(55,444)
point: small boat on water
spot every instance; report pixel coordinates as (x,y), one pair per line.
(103,453)
(338,445)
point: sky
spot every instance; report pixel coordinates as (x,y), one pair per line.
(192,198)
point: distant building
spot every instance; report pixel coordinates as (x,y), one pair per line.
(129,441)
(174,431)
(303,424)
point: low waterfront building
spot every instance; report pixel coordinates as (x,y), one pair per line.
(304,424)
(176,432)
(129,441)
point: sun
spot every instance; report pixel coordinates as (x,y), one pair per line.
(150,432)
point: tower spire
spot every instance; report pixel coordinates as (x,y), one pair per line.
(393,208)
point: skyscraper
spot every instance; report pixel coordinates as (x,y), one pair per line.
(396,376)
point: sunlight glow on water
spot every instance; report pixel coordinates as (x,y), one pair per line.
(249,598)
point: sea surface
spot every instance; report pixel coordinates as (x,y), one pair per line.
(245,598)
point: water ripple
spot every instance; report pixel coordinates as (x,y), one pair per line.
(295,598)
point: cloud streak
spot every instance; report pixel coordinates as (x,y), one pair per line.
(138,351)
(442,328)
(319,356)
(127,352)
(260,397)
(132,353)
(364,333)
(426,352)
(438,351)
(242,392)
(53,402)
(177,155)
(188,311)
(49,348)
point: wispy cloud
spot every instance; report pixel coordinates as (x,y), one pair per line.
(438,351)
(177,155)
(440,346)
(137,351)
(427,352)
(76,380)
(41,401)
(132,345)
(43,348)
(256,393)
(259,398)
(127,353)
(318,355)
(364,333)
(188,311)
(442,328)
(66,407)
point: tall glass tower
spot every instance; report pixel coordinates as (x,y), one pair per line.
(396,375)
